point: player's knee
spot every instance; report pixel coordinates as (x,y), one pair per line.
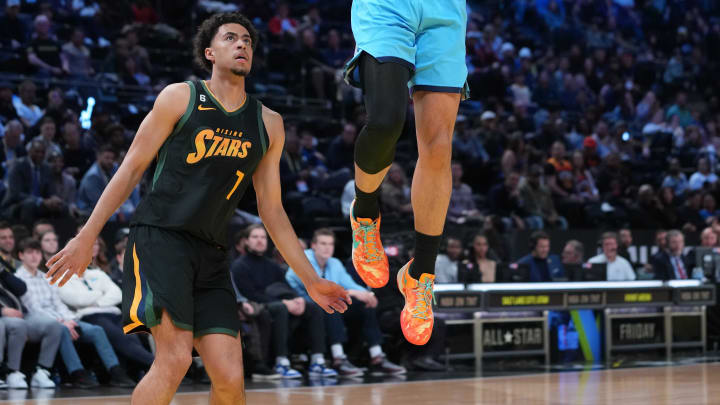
(386,122)
(174,361)
(435,150)
(230,379)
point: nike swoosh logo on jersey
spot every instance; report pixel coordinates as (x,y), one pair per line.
(201,108)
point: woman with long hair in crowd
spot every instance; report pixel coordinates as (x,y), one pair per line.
(49,246)
(478,267)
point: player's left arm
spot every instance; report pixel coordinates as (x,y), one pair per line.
(266,181)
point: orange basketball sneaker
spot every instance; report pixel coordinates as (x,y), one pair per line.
(368,255)
(416,319)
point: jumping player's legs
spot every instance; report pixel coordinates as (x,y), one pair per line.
(437,85)
(385,36)
(222,357)
(172,359)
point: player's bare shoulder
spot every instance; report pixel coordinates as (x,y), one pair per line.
(274,126)
(172,101)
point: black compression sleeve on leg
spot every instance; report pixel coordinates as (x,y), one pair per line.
(386,100)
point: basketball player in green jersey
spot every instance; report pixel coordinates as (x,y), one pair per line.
(210,138)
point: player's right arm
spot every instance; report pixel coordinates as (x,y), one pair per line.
(152,133)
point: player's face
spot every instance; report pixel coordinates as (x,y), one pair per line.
(257,241)
(324,247)
(231,49)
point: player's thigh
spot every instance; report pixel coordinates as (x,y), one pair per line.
(435,114)
(173,345)
(440,57)
(158,275)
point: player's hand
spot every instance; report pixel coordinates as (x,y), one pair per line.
(330,296)
(73,259)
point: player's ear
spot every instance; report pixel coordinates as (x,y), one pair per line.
(209,55)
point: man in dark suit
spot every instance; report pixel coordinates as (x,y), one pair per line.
(543,265)
(30,189)
(11,148)
(672,264)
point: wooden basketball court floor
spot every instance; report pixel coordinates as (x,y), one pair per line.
(696,384)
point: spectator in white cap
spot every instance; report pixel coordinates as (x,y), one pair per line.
(487,115)
(525,53)
(507,52)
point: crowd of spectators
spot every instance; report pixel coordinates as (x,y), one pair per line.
(584,114)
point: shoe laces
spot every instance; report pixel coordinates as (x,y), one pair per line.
(369,235)
(423,301)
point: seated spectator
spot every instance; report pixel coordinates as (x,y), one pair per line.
(618,268)
(625,241)
(543,265)
(537,202)
(28,112)
(341,153)
(261,280)
(703,177)
(360,312)
(95,299)
(573,252)
(138,52)
(77,158)
(462,203)
(7,108)
(689,213)
(308,148)
(708,237)
(63,183)
(282,24)
(311,59)
(647,211)
(467,145)
(44,51)
(294,171)
(477,267)
(116,265)
(11,146)
(709,208)
(335,55)
(41,226)
(13,32)
(446,264)
(48,246)
(96,179)
(673,264)
(504,200)
(557,158)
(7,247)
(675,178)
(75,56)
(43,299)
(47,135)
(395,192)
(30,193)
(17,326)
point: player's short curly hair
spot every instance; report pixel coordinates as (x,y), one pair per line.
(210,27)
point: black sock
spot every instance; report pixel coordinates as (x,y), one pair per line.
(366,204)
(426,251)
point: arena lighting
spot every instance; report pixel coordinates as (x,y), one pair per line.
(579,285)
(86,114)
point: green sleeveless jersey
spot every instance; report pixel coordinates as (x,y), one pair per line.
(204,167)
